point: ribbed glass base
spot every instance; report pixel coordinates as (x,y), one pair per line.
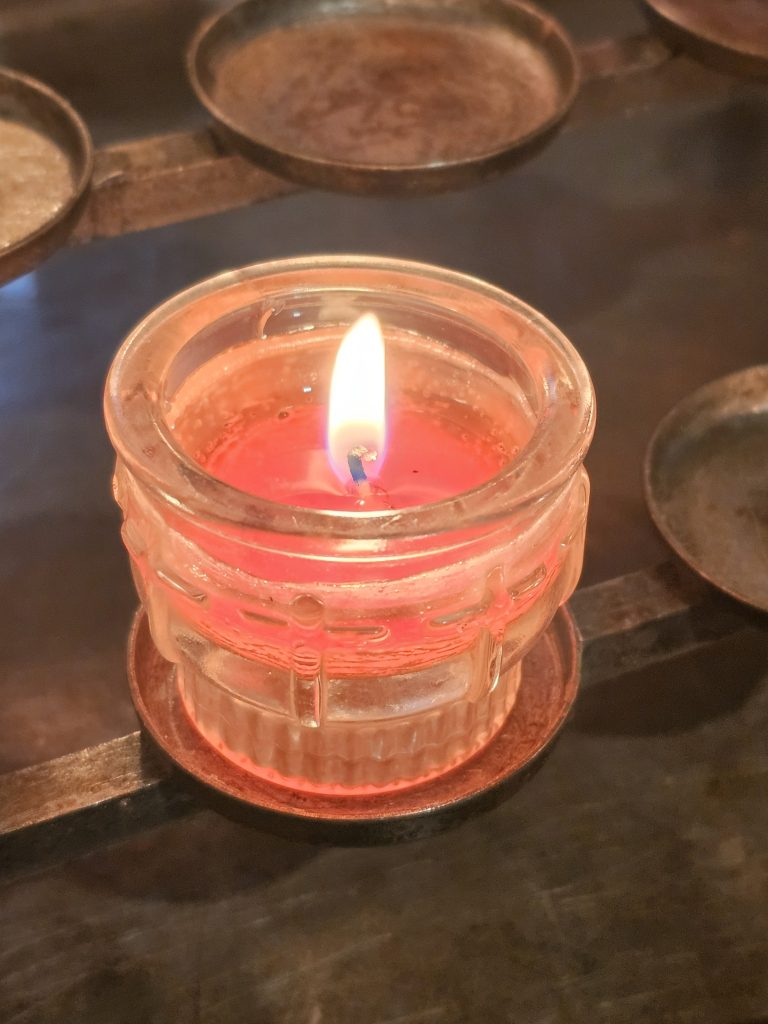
(345,758)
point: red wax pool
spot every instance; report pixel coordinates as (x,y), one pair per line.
(284,458)
(259,422)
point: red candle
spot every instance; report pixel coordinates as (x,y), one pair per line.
(286,459)
(352,453)
(349,443)
(347,546)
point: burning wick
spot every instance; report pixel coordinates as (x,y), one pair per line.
(365,489)
(357,412)
(355,460)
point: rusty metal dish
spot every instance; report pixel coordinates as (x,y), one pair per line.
(550,680)
(384,96)
(706,481)
(731,34)
(46,163)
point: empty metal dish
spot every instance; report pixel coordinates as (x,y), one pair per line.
(384,95)
(46,162)
(706,480)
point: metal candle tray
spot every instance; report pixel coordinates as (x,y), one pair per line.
(68,806)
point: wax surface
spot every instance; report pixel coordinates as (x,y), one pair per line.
(284,458)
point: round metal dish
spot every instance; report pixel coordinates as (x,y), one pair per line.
(706,482)
(549,684)
(731,34)
(46,162)
(384,96)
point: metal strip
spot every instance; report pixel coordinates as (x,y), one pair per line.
(62,808)
(645,617)
(166,179)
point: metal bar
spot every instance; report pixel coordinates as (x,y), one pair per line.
(645,617)
(615,58)
(71,805)
(56,810)
(167,179)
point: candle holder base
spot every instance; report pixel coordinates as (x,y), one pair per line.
(548,687)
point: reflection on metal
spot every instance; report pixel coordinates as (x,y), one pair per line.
(706,482)
(619,58)
(62,808)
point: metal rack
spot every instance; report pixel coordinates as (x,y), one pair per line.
(58,809)
(166,179)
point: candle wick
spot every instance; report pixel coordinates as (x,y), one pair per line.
(354,461)
(369,496)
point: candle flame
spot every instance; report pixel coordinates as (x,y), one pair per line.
(357,403)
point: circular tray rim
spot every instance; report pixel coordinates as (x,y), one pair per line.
(656,507)
(30,250)
(382,179)
(409,813)
(709,49)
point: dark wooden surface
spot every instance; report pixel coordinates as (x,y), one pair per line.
(628,880)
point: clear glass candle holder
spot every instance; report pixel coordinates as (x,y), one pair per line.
(348,651)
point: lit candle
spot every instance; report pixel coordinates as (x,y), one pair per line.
(357,413)
(334,454)
(353,500)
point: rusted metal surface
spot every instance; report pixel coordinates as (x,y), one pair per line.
(404,97)
(169,178)
(46,161)
(101,794)
(78,802)
(166,179)
(732,35)
(646,617)
(706,479)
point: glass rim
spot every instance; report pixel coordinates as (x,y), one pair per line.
(141,439)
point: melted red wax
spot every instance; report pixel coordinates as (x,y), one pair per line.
(284,459)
